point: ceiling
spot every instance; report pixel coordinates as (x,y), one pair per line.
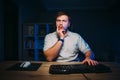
(78,4)
(70,4)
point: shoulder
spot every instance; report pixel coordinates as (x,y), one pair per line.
(51,34)
(74,34)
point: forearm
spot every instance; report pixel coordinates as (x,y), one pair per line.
(89,54)
(52,52)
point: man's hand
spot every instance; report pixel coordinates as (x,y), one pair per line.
(61,32)
(90,62)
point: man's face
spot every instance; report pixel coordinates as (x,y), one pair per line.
(62,22)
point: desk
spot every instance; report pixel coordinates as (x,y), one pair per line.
(43,74)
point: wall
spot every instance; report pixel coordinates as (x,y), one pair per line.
(29,12)
(100,29)
(10,30)
(1,32)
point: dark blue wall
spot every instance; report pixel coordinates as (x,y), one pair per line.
(100,28)
(1,32)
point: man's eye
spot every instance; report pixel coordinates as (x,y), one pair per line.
(58,20)
(61,20)
(64,20)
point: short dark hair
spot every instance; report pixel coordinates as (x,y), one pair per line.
(60,13)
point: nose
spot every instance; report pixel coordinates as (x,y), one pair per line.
(61,22)
(60,25)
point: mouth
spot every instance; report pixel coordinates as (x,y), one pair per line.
(60,27)
(64,32)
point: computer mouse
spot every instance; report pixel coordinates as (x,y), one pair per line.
(25,64)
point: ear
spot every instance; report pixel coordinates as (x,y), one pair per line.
(69,24)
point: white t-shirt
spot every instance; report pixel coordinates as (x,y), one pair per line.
(73,42)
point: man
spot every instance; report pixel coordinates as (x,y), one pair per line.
(64,45)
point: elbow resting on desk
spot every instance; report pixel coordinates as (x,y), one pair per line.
(48,56)
(49,59)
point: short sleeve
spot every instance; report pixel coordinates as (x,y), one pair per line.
(49,41)
(83,45)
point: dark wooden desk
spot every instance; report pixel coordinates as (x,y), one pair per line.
(43,74)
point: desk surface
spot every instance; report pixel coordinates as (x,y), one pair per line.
(43,72)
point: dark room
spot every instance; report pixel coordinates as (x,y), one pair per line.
(26,27)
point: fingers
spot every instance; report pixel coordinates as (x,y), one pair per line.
(61,32)
(90,62)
